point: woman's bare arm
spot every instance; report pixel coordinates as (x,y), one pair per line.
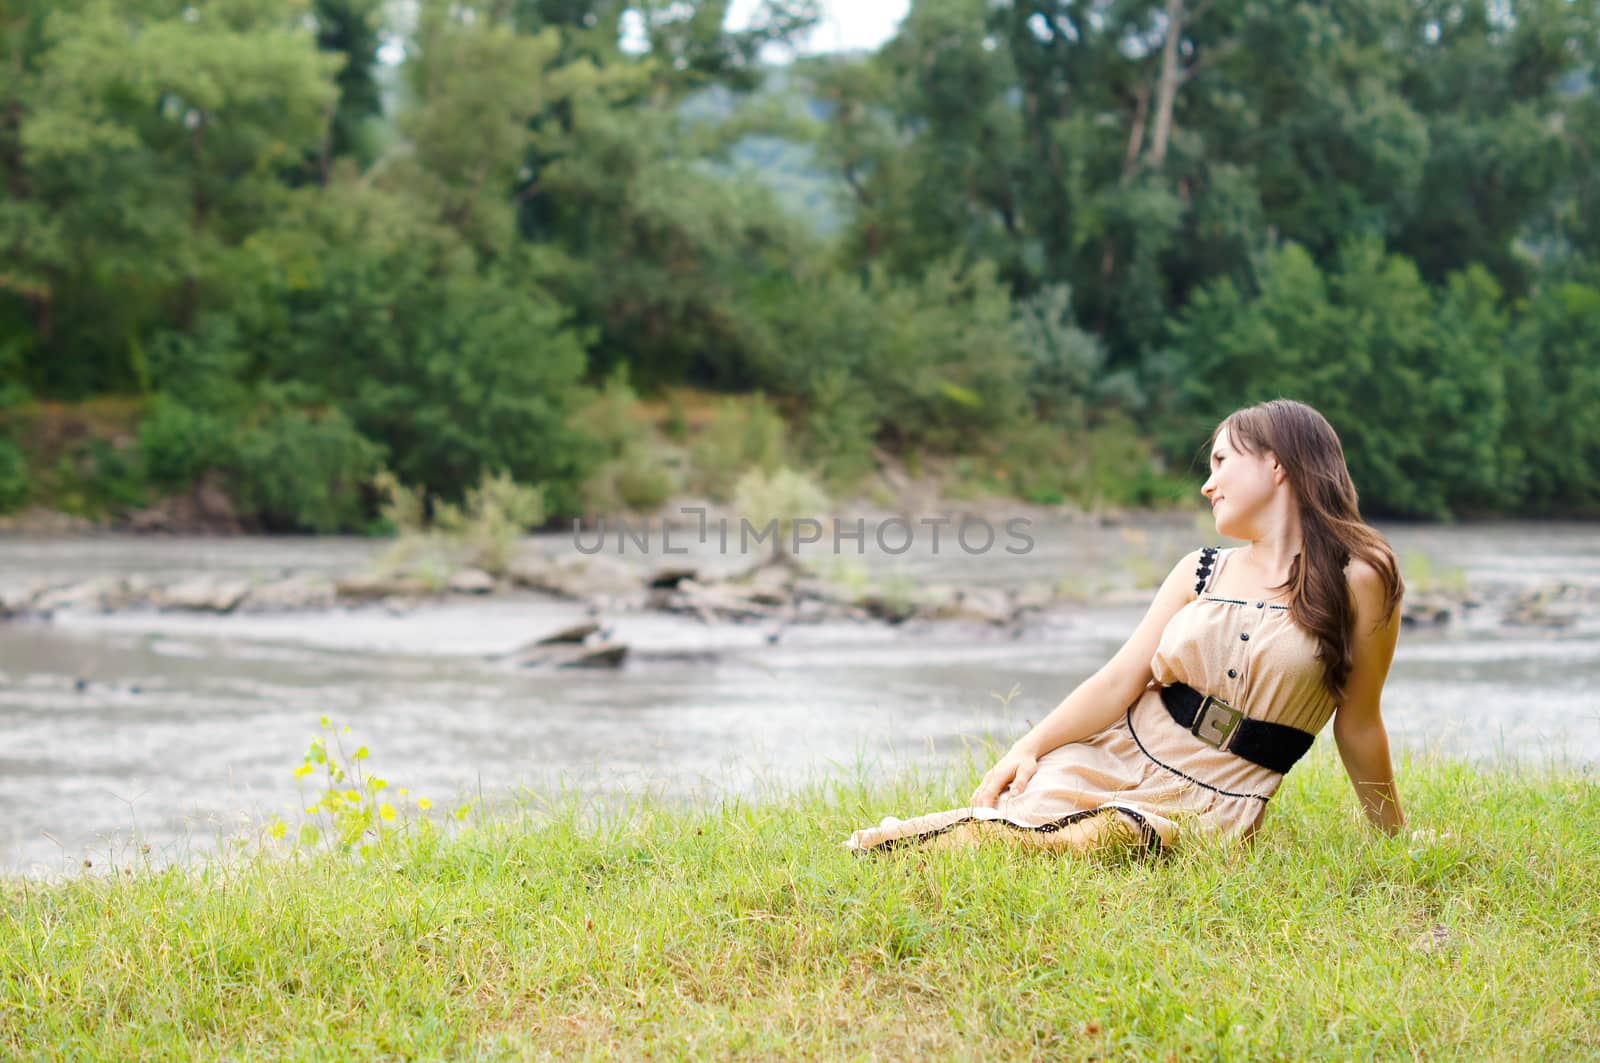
(1101,699)
(1358,723)
(1098,701)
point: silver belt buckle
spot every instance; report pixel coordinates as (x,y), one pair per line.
(1216,722)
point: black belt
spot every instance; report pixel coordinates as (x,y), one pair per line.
(1274,746)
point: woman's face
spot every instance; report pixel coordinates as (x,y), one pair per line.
(1239,488)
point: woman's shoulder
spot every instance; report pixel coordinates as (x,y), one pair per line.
(1362,573)
(1368,589)
(1363,576)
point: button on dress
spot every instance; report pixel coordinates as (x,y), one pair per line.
(1146,778)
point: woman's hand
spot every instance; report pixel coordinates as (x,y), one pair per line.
(1014,769)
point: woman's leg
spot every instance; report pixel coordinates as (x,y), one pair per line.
(958,827)
(1106,829)
(894,832)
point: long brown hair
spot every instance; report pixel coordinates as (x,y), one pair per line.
(1332,531)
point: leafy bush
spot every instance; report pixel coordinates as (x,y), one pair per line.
(95,477)
(117,480)
(299,470)
(453,370)
(483,533)
(206,367)
(13,363)
(635,470)
(289,468)
(785,496)
(14,484)
(937,356)
(177,444)
(1111,463)
(1551,446)
(1117,465)
(493,520)
(1064,367)
(640,479)
(744,433)
(840,429)
(677,426)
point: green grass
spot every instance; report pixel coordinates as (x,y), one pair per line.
(745,930)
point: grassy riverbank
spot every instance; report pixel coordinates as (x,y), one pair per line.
(747,931)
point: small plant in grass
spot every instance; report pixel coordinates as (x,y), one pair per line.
(356,811)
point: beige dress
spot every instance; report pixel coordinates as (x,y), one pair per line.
(1146,779)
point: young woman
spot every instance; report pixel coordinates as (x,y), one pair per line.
(1243,657)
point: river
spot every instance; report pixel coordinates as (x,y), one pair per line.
(174,731)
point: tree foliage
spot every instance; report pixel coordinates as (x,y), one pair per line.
(1108,221)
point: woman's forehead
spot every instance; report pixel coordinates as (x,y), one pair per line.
(1221,444)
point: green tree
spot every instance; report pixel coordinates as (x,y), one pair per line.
(352,30)
(1488,79)
(152,140)
(1413,382)
(1553,437)
(455,369)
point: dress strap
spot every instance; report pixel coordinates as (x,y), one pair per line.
(1202,571)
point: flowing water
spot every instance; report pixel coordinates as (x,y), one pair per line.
(175,730)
